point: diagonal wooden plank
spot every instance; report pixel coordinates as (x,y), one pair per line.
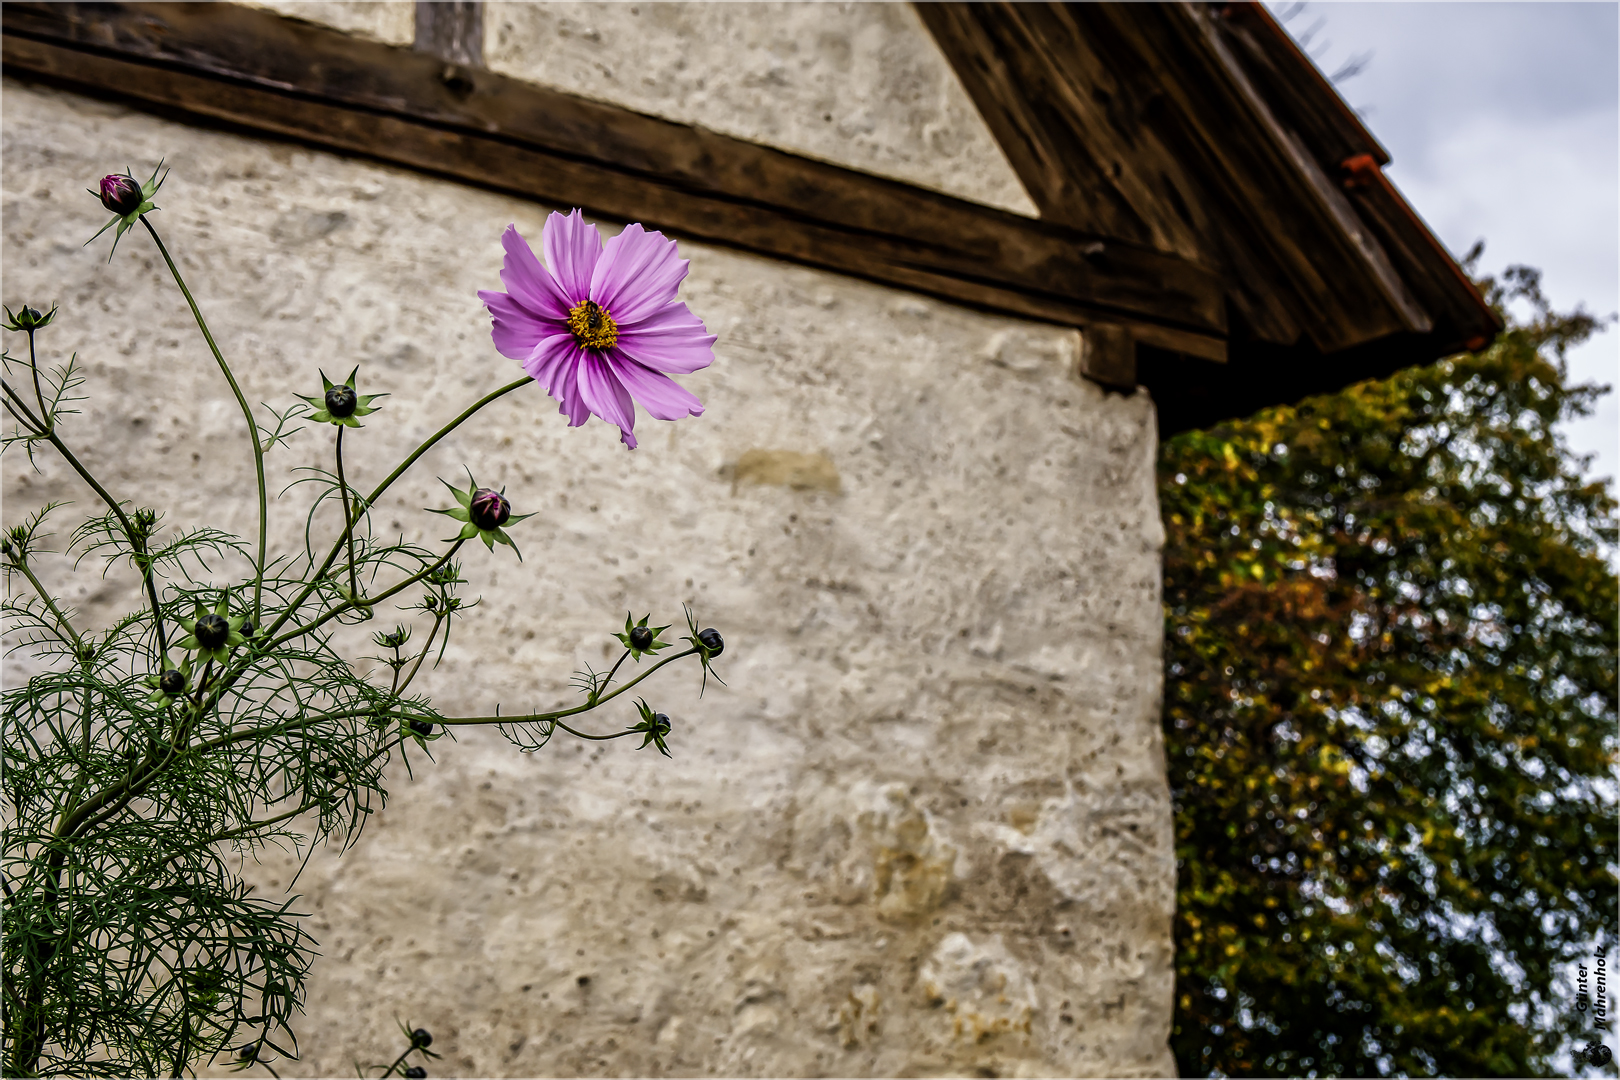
(250,68)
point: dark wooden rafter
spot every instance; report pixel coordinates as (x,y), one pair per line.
(1148,121)
(1306,103)
(253,69)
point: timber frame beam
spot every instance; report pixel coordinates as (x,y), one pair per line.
(254,70)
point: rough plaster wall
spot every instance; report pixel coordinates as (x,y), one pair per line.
(924,829)
(390,21)
(860,85)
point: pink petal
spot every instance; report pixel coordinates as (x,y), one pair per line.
(661,396)
(638,274)
(565,388)
(548,359)
(530,283)
(669,339)
(606,396)
(517,328)
(572,251)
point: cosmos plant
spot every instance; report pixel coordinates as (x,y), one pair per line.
(147,757)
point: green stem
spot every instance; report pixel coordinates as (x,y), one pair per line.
(78,644)
(247,413)
(287,613)
(613,671)
(464,721)
(348,520)
(426,648)
(316,623)
(560,713)
(33,367)
(136,544)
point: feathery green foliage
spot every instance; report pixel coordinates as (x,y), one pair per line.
(147,759)
(1390,718)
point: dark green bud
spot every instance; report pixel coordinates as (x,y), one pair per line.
(415,1072)
(341,401)
(488,509)
(711,640)
(212,630)
(640,638)
(171,681)
(422,727)
(421,1038)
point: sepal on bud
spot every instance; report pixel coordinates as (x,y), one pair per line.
(213,634)
(28,318)
(484,511)
(340,404)
(707,643)
(127,200)
(653,725)
(170,685)
(640,638)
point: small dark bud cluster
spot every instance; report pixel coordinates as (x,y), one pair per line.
(415,1072)
(712,641)
(641,637)
(248,1052)
(488,509)
(212,630)
(120,194)
(422,1038)
(341,401)
(171,681)
(30,317)
(422,727)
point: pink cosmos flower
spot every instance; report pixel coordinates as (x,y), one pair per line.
(600,328)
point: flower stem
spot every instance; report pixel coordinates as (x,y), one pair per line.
(371,500)
(373,601)
(247,413)
(348,520)
(137,546)
(558,714)
(61,619)
(33,368)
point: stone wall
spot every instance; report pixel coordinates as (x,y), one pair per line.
(924,828)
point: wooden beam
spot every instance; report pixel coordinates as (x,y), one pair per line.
(277,76)
(1108,356)
(1132,119)
(452,30)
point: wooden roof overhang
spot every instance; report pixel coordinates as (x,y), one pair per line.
(1210,209)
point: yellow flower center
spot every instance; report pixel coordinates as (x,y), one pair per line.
(593,327)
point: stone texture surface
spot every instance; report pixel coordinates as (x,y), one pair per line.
(389,21)
(923,829)
(860,85)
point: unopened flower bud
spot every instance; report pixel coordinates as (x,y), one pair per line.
(421,1038)
(641,637)
(488,509)
(120,194)
(341,401)
(415,1072)
(712,641)
(248,1052)
(171,681)
(248,628)
(422,727)
(212,630)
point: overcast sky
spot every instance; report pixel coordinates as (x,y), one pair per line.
(1502,120)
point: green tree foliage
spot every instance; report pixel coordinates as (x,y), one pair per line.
(1390,718)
